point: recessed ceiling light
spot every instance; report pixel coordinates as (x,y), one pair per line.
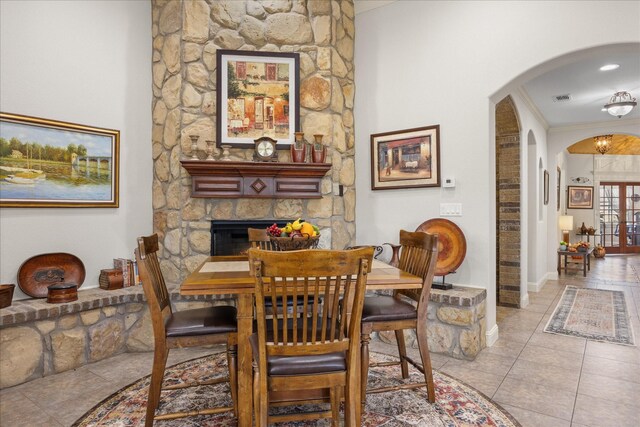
(604,109)
(609,67)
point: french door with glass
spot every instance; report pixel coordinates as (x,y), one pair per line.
(620,217)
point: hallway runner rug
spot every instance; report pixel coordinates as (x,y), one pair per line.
(456,403)
(594,314)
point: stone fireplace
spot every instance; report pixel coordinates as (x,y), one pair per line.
(186,36)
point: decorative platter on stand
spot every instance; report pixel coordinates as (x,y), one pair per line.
(41,271)
(452,246)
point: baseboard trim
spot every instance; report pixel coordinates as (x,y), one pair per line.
(524,300)
(492,336)
(537,286)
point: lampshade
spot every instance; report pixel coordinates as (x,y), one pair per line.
(602,143)
(565,222)
(621,103)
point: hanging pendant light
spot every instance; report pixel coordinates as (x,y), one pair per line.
(602,143)
(620,104)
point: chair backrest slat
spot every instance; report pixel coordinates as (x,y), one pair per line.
(331,286)
(418,256)
(153,283)
(259,238)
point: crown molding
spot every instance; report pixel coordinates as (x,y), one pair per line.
(593,125)
(361,6)
(532,107)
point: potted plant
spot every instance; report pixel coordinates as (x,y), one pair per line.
(563,245)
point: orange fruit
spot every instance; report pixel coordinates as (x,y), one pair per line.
(307,229)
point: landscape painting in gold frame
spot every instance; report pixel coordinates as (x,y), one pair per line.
(49,163)
(407,158)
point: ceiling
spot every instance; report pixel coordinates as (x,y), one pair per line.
(620,144)
(589,89)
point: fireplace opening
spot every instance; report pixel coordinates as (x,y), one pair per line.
(230,237)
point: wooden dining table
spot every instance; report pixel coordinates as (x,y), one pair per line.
(229,276)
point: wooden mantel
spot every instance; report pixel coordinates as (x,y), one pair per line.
(228,179)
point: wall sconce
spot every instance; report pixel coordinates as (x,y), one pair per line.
(580,180)
(565,222)
(602,143)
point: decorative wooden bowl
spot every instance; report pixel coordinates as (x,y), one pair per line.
(452,246)
(41,271)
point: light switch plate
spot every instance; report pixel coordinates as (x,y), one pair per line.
(450,209)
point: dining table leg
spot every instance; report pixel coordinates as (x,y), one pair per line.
(245,389)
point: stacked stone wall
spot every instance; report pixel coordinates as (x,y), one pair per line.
(508,230)
(456,324)
(186,37)
(39,339)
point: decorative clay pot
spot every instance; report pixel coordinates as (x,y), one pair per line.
(563,247)
(318,151)
(599,252)
(298,149)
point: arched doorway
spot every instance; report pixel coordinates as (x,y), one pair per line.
(508,222)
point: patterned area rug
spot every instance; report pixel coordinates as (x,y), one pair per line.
(595,314)
(456,403)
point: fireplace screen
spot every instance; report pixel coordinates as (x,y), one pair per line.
(231,238)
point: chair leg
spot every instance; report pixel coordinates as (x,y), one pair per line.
(365,337)
(232,363)
(155,387)
(334,394)
(426,363)
(261,399)
(402,351)
(256,396)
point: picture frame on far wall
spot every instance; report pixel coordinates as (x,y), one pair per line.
(407,158)
(54,164)
(579,197)
(559,175)
(258,95)
(546,187)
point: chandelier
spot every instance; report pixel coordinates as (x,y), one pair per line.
(620,104)
(602,143)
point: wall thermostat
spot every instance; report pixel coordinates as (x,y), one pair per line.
(449,182)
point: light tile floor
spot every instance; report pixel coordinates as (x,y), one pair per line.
(541,379)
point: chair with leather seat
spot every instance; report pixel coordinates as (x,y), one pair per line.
(418,256)
(188,328)
(316,350)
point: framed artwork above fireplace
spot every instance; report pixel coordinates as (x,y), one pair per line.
(257,96)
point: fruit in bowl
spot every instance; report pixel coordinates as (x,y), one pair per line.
(583,246)
(298,228)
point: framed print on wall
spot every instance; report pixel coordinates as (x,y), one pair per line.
(406,158)
(579,197)
(48,163)
(257,95)
(546,187)
(559,171)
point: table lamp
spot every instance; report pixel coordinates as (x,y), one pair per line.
(565,222)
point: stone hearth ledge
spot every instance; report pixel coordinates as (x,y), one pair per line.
(32,309)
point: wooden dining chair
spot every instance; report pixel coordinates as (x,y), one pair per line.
(316,350)
(418,256)
(187,328)
(259,238)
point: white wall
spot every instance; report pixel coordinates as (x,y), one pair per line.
(424,63)
(88,63)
